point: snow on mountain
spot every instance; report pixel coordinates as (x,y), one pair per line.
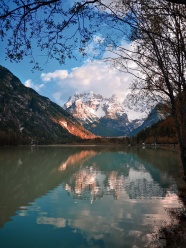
(158,113)
(107,116)
(140,110)
(97,112)
(85,107)
(90,107)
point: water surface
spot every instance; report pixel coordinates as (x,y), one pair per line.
(84,196)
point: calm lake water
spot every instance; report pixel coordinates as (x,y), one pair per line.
(84,196)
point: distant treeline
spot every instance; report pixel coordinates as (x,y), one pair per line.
(10,137)
(13,138)
(162,132)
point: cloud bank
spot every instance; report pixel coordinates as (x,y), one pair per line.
(30,84)
(93,76)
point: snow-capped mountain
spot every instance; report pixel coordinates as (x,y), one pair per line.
(90,107)
(158,113)
(87,107)
(108,116)
(103,116)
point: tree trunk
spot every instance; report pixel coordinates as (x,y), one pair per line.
(183,159)
(180,124)
(183,131)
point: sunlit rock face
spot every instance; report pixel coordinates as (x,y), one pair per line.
(29,118)
(107,116)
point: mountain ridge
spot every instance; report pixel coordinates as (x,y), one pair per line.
(93,110)
(106,116)
(25,113)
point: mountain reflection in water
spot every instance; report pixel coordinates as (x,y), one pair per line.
(84,196)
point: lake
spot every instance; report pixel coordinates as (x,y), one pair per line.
(90,196)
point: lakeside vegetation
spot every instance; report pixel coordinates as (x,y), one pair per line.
(162,132)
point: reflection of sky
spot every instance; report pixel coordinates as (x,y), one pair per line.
(114,222)
(93,207)
(138,210)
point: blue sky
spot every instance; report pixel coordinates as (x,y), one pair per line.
(59,82)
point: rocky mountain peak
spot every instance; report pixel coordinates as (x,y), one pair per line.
(91,108)
(114,97)
(106,116)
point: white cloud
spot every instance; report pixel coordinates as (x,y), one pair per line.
(58,74)
(57,96)
(93,76)
(30,84)
(99,77)
(93,49)
(57,222)
(122,57)
(98,39)
(96,76)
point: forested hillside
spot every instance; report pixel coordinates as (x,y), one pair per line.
(29,118)
(162,132)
